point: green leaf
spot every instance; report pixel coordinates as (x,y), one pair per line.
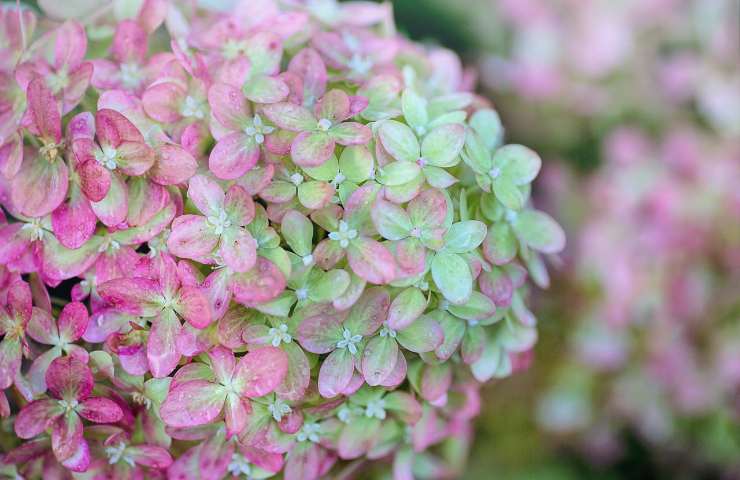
(356,163)
(326,286)
(398,173)
(442,146)
(500,244)
(508,193)
(391,221)
(453,277)
(539,231)
(399,141)
(423,335)
(379,359)
(476,308)
(414,108)
(406,307)
(487,124)
(517,163)
(465,236)
(297,231)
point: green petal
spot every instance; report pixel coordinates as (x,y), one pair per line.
(453,277)
(399,141)
(539,231)
(464,236)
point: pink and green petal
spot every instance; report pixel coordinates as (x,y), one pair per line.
(192,403)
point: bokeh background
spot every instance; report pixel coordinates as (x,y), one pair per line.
(634,106)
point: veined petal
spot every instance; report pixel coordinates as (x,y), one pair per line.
(335,373)
(100,410)
(233,156)
(191,237)
(311,149)
(137,296)
(193,403)
(260,371)
(36,417)
(69,378)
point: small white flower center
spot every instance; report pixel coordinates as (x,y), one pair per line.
(494,173)
(36,230)
(58,81)
(301,293)
(219,222)
(307,260)
(309,432)
(386,331)
(279,409)
(415,232)
(257,130)
(421,130)
(422,162)
(131,75)
(344,414)
(141,399)
(339,178)
(444,304)
(117,453)
(296,179)
(106,156)
(349,341)
(68,406)
(344,234)
(240,465)
(109,246)
(194,108)
(360,65)
(279,335)
(324,124)
(511,216)
(376,409)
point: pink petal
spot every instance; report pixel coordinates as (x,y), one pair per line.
(239,205)
(173,165)
(74,222)
(45,115)
(135,157)
(79,461)
(193,403)
(40,186)
(69,378)
(95,179)
(223,363)
(371,261)
(320,333)
(312,149)
(35,417)
(191,237)
(161,348)
(113,128)
(72,322)
(307,64)
(137,296)
(290,117)
(429,209)
(233,156)
(11,156)
(336,373)
(100,410)
(351,133)
(261,284)
(42,327)
(162,101)
(235,414)
(260,371)
(206,194)
(150,456)
(10,361)
(194,307)
(113,208)
(66,436)
(69,44)
(238,249)
(129,43)
(334,106)
(229,106)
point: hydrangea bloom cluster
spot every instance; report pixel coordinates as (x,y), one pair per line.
(253,238)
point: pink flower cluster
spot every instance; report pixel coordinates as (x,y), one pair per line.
(251,238)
